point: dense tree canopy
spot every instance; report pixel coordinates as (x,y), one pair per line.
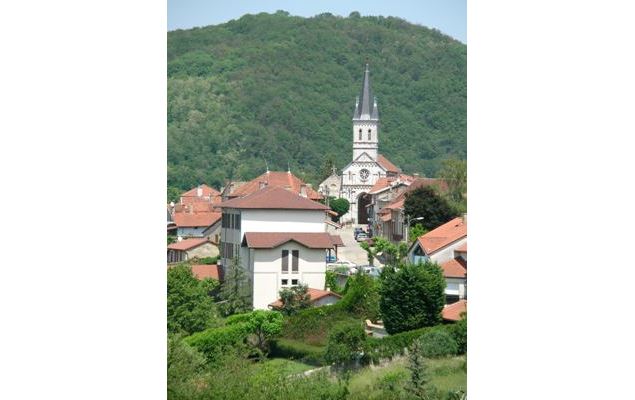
(190,307)
(412,296)
(427,203)
(281,88)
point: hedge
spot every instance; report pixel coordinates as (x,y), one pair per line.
(392,345)
(313,324)
(295,350)
(213,342)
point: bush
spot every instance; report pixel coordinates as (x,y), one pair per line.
(346,344)
(313,325)
(438,343)
(362,296)
(214,342)
(287,348)
(458,331)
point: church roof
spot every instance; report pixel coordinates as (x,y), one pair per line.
(388,166)
(366,107)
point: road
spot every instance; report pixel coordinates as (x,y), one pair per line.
(351,250)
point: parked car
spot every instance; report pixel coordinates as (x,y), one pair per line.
(357,231)
(370,270)
(361,236)
(340,263)
(331,259)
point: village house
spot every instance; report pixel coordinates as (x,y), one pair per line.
(280,238)
(455,311)
(200,194)
(198,224)
(285,180)
(191,248)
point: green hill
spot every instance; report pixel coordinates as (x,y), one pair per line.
(283,88)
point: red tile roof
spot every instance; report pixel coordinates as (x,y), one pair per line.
(314,294)
(274,198)
(385,183)
(388,166)
(337,240)
(454,268)
(207,195)
(442,236)
(275,179)
(191,220)
(187,244)
(202,271)
(196,207)
(271,240)
(452,312)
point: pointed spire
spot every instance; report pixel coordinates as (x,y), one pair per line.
(366,105)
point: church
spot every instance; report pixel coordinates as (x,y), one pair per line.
(359,176)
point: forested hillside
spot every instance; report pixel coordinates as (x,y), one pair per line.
(282,89)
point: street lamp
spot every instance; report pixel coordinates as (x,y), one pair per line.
(408,226)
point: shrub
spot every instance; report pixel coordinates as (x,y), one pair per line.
(294,299)
(207,260)
(362,296)
(213,342)
(346,344)
(437,344)
(190,308)
(313,324)
(287,348)
(458,331)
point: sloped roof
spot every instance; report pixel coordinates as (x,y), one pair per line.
(443,235)
(337,240)
(271,240)
(462,248)
(399,201)
(197,206)
(274,198)
(388,166)
(452,312)
(454,268)
(314,294)
(202,271)
(187,244)
(385,183)
(277,179)
(192,220)
(207,193)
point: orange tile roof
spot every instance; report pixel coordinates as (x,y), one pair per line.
(271,240)
(275,179)
(454,268)
(452,312)
(274,198)
(202,271)
(196,207)
(443,235)
(191,220)
(388,166)
(384,182)
(314,294)
(208,193)
(187,244)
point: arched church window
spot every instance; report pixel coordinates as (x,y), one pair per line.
(360,135)
(369,134)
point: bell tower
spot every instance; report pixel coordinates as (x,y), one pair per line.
(366,121)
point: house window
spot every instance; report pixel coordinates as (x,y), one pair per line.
(294,282)
(294,262)
(285,282)
(285,261)
(369,134)
(237,221)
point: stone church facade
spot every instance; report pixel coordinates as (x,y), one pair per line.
(367,166)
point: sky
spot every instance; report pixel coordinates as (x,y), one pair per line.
(448,16)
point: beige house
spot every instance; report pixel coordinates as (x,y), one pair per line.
(188,249)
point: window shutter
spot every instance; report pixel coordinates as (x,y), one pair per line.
(294,265)
(285,261)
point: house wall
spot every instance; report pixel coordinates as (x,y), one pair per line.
(447,253)
(266,269)
(191,232)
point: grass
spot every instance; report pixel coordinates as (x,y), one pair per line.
(282,366)
(446,374)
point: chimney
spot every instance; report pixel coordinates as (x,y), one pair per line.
(262,184)
(303,190)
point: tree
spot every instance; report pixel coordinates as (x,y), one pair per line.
(345,344)
(190,308)
(362,296)
(412,296)
(184,364)
(454,173)
(262,324)
(330,282)
(415,232)
(340,206)
(295,299)
(419,385)
(427,203)
(235,292)
(393,253)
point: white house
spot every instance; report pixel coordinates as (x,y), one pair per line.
(198,224)
(280,238)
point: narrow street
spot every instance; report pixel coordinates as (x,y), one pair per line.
(351,251)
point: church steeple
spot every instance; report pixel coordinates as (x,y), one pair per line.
(366,107)
(366,122)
